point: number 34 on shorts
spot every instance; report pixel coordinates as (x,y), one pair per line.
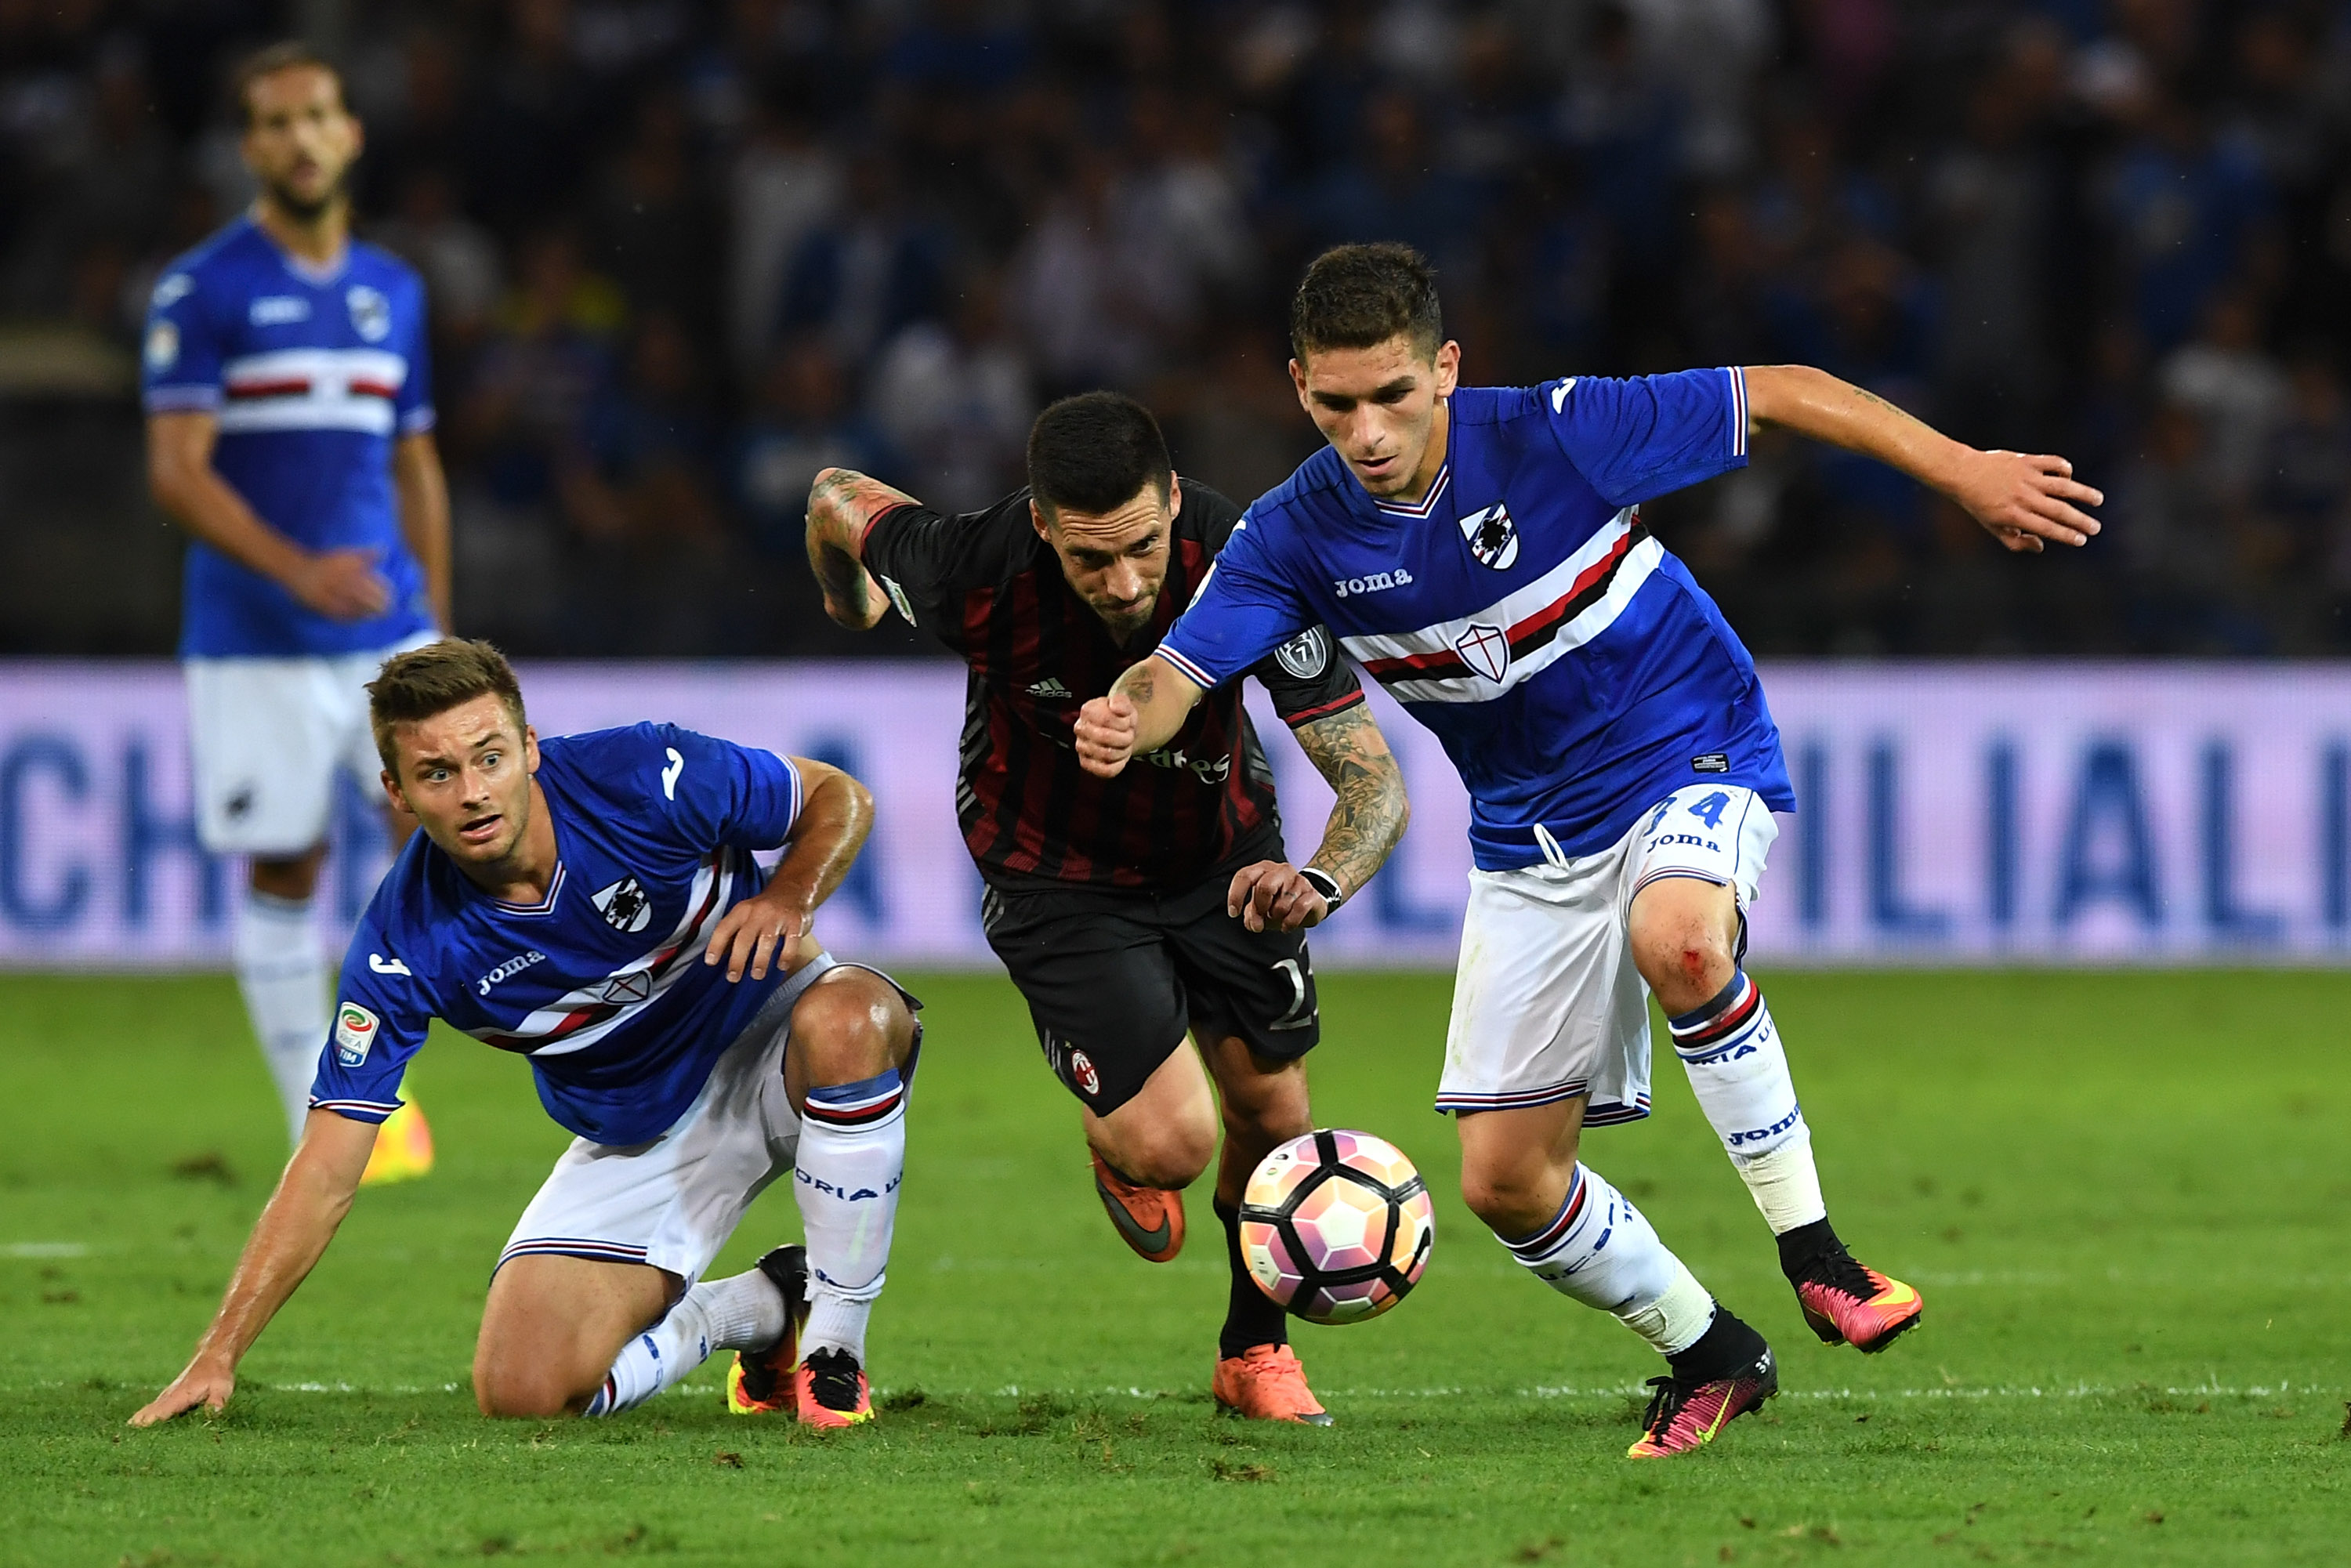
(1716,832)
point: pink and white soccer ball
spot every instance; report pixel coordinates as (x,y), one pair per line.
(1336,1226)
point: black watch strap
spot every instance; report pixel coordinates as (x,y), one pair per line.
(1323,882)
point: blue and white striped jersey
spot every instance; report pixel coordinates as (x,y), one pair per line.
(602,984)
(313,375)
(1575,672)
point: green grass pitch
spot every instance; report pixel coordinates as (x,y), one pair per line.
(2123,1196)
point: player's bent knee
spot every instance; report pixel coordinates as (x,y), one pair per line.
(851,1025)
(1510,1195)
(1162,1148)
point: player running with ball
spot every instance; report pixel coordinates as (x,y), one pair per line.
(1131,911)
(591,903)
(1480,552)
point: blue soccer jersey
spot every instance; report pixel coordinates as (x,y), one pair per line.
(313,376)
(603,984)
(1575,672)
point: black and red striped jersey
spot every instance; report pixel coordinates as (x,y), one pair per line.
(985,585)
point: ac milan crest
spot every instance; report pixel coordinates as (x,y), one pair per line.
(1485,648)
(625,906)
(1493,536)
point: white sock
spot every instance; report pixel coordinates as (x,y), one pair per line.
(1600,1250)
(1731,1051)
(853,1156)
(743,1312)
(281,968)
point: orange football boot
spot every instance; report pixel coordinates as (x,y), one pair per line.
(1684,1417)
(1848,1304)
(1266,1383)
(1149,1218)
(760,1381)
(830,1392)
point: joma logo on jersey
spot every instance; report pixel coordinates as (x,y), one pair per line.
(278,311)
(625,906)
(512,966)
(1378,582)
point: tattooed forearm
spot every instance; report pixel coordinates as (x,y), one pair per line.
(1368,817)
(842,504)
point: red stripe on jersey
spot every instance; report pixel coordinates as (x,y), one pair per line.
(292,386)
(1537,628)
(1324,710)
(373,389)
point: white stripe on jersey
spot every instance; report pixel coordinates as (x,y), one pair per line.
(579,1018)
(1479,656)
(312,389)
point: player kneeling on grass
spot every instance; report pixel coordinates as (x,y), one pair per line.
(593,904)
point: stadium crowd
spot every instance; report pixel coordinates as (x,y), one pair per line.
(683,253)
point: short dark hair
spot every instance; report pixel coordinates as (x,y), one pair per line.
(1360,296)
(1095,451)
(291,54)
(432,679)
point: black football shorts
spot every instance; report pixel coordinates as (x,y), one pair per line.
(1115,979)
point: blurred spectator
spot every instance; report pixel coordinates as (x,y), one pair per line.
(801,424)
(685,253)
(457,256)
(955,399)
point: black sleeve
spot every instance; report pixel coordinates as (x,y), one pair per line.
(926,560)
(1308,679)
(1306,676)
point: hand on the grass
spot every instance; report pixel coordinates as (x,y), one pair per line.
(1105,733)
(202,1384)
(766,927)
(1271,891)
(2022,498)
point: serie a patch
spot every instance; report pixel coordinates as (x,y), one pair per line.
(355,1032)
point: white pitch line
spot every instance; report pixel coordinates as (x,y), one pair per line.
(45,1250)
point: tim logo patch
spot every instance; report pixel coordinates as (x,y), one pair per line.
(1492,537)
(625,906)
(355,1031)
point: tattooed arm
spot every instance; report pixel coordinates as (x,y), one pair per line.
(1367,820)
(842,504)
(2021,499)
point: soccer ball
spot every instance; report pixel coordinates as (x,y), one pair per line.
(1336,1226)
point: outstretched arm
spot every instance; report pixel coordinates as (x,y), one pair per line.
(288,1240)
(1145,707)
(2021,499)
(831,829)
(842,504)
(1367,821)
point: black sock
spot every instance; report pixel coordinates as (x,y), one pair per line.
(1728,1347)
(1251,1319)
(1799,1247)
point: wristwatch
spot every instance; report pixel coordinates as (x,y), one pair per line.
(1323,883)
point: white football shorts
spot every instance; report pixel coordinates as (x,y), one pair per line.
(1546,1003)
(266,737)
(673,1202)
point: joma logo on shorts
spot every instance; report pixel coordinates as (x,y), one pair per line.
(1686,839)
(1378,582)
